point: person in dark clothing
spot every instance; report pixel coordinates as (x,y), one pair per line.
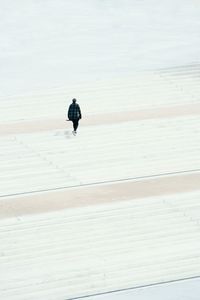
(74,115)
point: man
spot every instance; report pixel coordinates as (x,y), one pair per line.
(74,114)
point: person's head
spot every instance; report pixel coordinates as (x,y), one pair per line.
(74,100)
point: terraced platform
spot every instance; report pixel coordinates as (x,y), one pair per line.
(100,248)
(114,208)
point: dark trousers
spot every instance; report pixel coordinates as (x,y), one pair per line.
(75,124)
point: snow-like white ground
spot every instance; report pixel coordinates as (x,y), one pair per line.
(49,160)
(102,248)
(146,90)
(121,59)
(182,290)
(76,252)
(47,44)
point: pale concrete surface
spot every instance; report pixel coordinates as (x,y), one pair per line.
(101,248)
(99,119)
(36,203)
(137,92)
(181,290)
(75,242)
(47,44)
(57,159)
(134,67)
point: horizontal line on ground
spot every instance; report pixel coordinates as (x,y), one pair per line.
(101,182)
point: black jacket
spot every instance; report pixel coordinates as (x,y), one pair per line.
(74,112)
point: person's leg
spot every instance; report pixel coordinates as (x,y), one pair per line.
(76,124)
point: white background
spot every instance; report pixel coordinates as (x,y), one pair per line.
(47,43)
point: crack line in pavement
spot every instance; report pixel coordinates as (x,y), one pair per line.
(101,182)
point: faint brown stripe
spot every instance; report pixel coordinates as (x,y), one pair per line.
(60,123)
(97,195)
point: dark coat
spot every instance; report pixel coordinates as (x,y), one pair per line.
(74,112)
